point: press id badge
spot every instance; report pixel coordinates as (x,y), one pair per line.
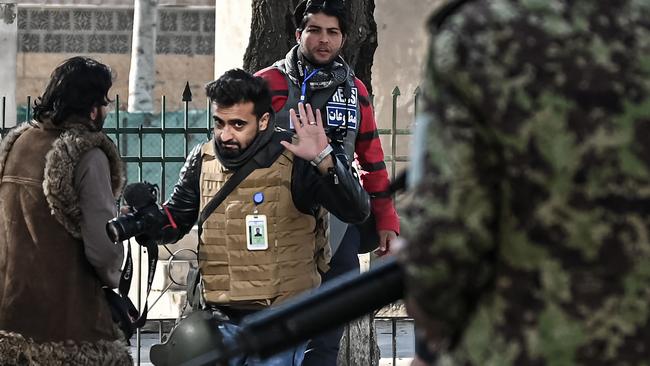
(256,234)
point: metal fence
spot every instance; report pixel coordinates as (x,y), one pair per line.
(154,147)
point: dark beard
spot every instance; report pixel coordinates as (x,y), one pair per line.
(98,123)
(228,153)
(316,64)
(261,139)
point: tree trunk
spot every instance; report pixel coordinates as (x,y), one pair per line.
(142,77)
(359,343)
(8,34)
(361,43)
(273,35)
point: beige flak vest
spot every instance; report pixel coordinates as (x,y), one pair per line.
(233,274)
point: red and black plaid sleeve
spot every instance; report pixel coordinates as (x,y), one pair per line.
(370,156)
(277,84)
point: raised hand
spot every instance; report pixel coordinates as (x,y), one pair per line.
(310,132)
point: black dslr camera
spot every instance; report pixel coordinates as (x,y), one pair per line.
(145,218)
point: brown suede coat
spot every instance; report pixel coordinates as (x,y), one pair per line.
(49,292)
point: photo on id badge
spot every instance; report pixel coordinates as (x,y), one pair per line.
(256,234)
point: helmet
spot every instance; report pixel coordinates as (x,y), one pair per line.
(195,340)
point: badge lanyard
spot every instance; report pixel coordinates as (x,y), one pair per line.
(256,227)
(303,88)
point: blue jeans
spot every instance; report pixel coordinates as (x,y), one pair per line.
(290,357)
(323,350)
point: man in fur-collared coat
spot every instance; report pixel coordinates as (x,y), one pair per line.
(59,178)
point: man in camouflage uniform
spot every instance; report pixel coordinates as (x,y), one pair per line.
(528,237)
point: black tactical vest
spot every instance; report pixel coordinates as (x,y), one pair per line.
(339,106)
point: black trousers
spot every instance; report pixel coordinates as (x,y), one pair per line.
(324,349)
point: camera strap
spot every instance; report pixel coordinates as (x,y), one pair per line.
(122,308)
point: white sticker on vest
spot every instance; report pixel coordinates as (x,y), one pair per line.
(341,110)
(256,234)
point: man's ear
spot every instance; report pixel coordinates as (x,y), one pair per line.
(345,38)
(94,113)
(298,34)
(264,121)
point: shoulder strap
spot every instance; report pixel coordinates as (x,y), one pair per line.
(225,190)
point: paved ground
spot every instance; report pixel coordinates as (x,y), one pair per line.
(404,344)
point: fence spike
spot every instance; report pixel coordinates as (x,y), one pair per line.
(417,91)
(396,91)
(187,93)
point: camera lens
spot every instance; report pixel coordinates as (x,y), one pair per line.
(147,220)
(123,227)
(114,230)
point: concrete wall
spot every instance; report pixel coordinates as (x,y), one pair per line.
(232,31)
(172,71)
(47,35)
(399,61)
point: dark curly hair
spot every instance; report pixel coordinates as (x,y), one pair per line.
(333,8)
(238,86)
(76,86)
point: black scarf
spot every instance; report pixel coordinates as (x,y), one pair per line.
(335,73)
(260,141)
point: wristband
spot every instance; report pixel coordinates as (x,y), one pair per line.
(323,154)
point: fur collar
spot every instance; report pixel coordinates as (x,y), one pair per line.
(18,350)
(67,150)
(60,163)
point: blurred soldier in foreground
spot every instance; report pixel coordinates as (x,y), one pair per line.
(528,240)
